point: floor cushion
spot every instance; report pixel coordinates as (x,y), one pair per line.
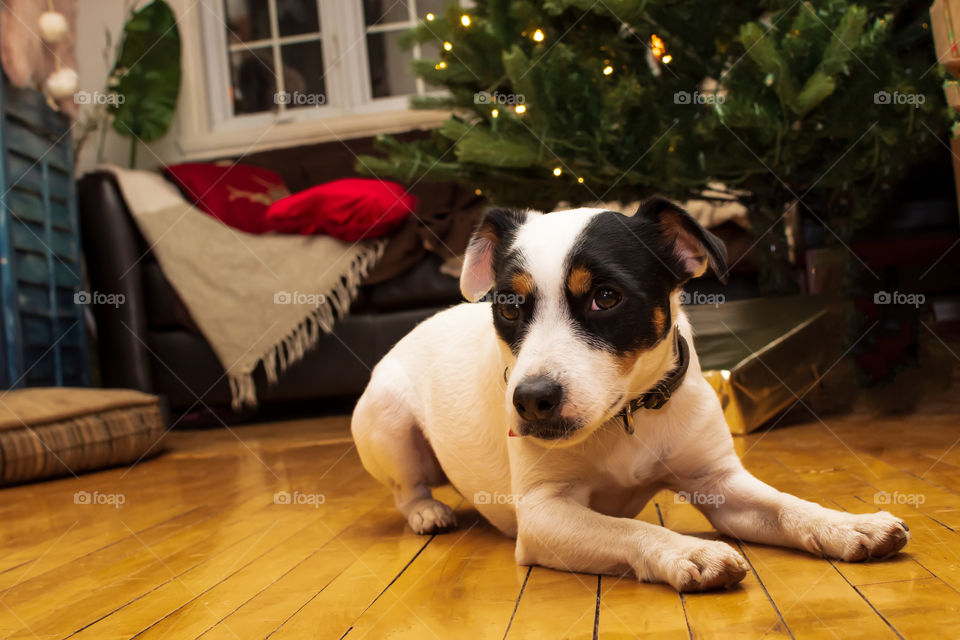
(48,432)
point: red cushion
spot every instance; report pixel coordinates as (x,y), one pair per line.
(350,209)
(237,195)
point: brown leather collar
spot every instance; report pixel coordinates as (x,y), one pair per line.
(660,393)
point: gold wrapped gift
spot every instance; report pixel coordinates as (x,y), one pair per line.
(760,355)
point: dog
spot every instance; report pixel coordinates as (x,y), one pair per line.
(572,394)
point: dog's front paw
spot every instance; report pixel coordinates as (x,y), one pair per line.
(701,565)
(430,516)
(858,537)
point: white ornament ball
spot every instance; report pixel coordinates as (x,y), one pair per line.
(53,26)
(62,83)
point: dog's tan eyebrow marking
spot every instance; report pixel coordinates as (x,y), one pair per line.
(522,283)
(579,281)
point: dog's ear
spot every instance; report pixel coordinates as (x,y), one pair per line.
(493,233)
(695,248)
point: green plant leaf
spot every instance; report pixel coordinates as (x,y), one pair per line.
(146,75)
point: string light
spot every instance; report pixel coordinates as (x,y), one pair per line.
(580,180)
(447,46)
(538,35)
(557,171)
(666,59)
(440,65)
(495,113)
(430,17)
(520,109)
(607,70)
(465,20)
(479,192)
(657,48)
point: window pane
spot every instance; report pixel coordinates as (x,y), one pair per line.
(297,16)
(303,74)
(385,11)
(253,81)
(390,73)
(247,20)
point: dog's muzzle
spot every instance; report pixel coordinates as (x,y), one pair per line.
(538,401)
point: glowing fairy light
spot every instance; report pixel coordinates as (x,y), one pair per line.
(657,48)
(465,20)
(557,171)
(538,35)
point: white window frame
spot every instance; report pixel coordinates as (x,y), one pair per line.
(207,127)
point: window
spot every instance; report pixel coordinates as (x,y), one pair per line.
(336,64)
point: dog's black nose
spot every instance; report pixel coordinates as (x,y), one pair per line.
(538,399)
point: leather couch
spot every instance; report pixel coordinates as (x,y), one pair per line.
(151,344)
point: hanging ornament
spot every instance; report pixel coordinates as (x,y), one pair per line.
(62,83)
(653,64)
(53,26)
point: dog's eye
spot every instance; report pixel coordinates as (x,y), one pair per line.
(605,299)
(510,311)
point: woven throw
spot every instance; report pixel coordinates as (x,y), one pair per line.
(257,299)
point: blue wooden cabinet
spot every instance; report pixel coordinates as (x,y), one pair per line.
(43,334)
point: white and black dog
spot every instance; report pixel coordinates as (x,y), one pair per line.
(584,354)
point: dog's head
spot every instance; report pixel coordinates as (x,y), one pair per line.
(582,304)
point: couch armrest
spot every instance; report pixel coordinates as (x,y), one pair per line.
(114,248)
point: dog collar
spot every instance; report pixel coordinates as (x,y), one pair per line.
(661,392)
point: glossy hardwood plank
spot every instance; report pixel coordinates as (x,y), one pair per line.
(464,584)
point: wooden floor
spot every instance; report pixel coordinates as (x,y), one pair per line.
(204,546)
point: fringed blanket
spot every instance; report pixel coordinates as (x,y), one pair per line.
(256,298)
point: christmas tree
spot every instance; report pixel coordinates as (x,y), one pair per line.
(595,100)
